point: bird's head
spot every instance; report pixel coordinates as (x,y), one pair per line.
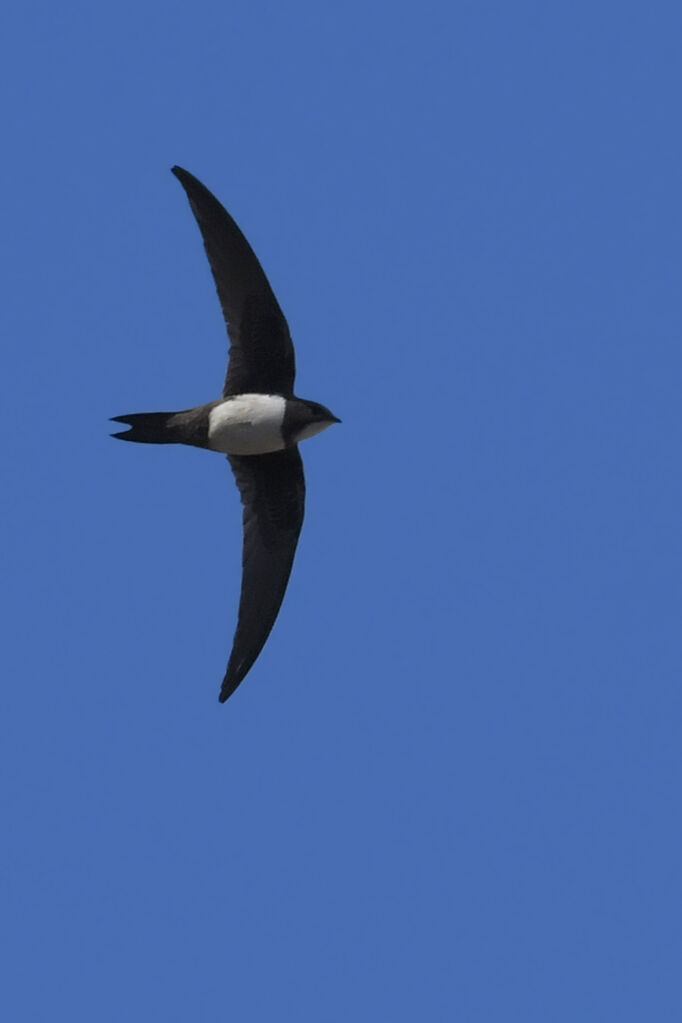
(306,418)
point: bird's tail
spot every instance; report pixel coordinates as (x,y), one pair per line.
(148,428)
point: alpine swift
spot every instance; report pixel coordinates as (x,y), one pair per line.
(257,423)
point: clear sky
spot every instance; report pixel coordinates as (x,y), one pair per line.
(450,787)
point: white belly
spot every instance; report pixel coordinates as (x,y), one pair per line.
(250,424)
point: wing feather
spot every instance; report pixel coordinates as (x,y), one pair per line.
(272,489)
(261,356)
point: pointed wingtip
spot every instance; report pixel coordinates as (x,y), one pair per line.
(231,681)
(182,175)
(226,690)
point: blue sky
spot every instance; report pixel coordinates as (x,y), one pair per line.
(450,787)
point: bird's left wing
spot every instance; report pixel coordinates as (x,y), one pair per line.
(272,489)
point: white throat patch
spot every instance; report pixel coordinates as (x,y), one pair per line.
(312,430)
(248,424)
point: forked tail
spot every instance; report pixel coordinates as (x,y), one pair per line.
(148,428)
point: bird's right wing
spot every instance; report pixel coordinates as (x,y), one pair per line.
(272,489)
(261,351)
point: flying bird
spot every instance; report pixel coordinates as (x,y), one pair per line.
(258,423)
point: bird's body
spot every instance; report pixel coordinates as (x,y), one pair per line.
(248,424)
(258,424)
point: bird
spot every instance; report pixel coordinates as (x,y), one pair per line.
(258,423)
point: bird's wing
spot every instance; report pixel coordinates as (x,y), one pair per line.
(261,350)
(272,489)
